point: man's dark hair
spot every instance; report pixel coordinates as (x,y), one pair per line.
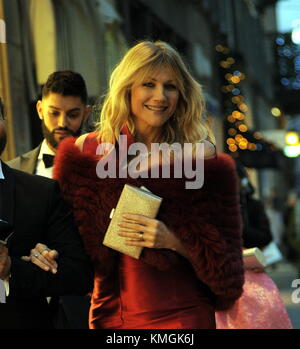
(66,83)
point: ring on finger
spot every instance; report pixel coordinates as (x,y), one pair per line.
(36,255)
(141,237)
(45,249)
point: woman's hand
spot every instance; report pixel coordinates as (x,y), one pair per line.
(43,257)
(148,232)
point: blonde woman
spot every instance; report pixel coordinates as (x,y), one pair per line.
(191,262)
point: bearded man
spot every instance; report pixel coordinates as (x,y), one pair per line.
(63,109)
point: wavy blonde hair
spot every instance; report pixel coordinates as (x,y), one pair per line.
(142,61)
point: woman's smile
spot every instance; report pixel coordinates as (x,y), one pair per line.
(156,108)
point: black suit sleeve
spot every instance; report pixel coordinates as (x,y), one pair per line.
(74,275)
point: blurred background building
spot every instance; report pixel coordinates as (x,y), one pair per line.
(249,69)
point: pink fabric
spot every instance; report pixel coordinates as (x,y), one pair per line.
(259,307)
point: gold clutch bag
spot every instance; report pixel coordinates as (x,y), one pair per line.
(132,200)
(254,258)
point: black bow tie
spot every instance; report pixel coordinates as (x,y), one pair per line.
(48,160)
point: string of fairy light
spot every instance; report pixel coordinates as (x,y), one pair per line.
(236,107)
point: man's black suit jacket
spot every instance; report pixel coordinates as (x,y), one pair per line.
(33,205)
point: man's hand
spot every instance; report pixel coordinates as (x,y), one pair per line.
(43,257)
(5,262)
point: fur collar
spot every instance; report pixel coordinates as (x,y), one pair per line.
(207,221)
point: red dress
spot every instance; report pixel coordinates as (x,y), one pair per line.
(142,297)
(161,290)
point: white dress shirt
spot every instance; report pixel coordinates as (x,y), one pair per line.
(1,172)
(41,170)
